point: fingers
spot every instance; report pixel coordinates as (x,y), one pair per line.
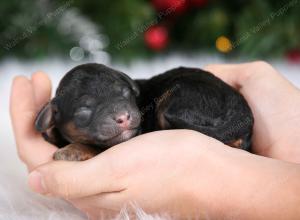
(233,74)
(237,75)
(42,89)
(32,148)
(22,108)
(76,179)
(110,171)
(26,99)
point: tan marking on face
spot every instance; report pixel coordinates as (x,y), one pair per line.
(74,134)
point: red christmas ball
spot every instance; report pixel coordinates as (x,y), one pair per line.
(198,3)
(293,56)
(177,6)
(156,37)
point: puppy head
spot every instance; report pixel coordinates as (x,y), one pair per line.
(93,105)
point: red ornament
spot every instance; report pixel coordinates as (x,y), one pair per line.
(293,56)
(198,3)
(156,37)
(177,6)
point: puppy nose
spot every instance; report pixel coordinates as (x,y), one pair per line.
(122,119)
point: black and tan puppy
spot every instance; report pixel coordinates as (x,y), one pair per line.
(93,109)
(190,98)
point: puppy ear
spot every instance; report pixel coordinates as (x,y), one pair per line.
(132,83)
(45,118)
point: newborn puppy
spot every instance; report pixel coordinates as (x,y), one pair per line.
(93,109)
(189,98)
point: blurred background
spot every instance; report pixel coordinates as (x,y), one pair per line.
(139,37)
(129,29)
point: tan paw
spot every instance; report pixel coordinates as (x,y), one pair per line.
(75,152)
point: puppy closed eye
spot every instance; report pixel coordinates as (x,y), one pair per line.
(82,116)
(126,92)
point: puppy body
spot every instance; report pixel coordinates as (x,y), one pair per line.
(189,98)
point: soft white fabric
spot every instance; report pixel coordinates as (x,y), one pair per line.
(16,200)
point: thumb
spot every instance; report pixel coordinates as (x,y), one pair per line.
(76,179)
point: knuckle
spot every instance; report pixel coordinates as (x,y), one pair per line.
(190,133)
(54,179)
(63,186)
(57,186)
(117,171)
(22,155)
(115,168)
(210,67)
(261,64)
(261,68)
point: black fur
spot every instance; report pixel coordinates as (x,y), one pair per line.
(190,98)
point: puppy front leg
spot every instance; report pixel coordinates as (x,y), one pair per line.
(75,152)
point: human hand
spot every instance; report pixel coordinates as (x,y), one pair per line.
(178,172)
(27,98)
(275,103)
(151,170)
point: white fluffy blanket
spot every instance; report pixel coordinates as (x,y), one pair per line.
(16,200)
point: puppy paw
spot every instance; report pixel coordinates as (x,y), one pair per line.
(75,152)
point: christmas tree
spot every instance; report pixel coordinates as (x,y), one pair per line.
(128,29)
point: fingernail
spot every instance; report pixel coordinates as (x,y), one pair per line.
(36,183)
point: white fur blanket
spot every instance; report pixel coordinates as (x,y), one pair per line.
(16,200)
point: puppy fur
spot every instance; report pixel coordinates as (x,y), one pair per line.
(190,98)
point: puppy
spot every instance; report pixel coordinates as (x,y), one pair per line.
(94,108)
(189,98)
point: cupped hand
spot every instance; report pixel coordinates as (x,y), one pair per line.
(181,173)
(156,171)
(275,103)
